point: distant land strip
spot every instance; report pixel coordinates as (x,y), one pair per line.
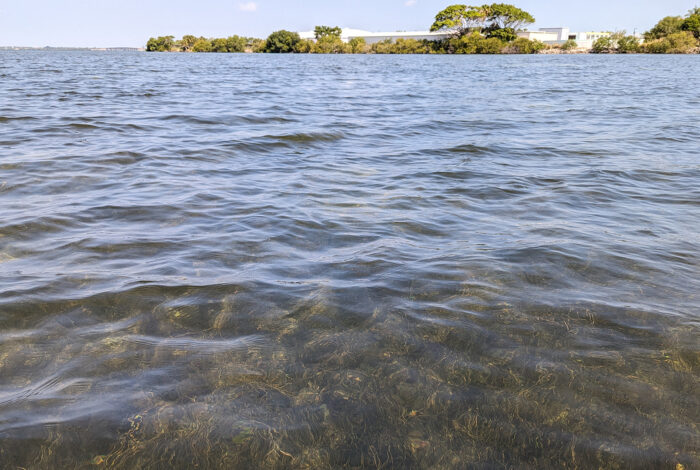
(458,29)
(49,48)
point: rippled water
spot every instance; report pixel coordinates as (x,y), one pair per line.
(248,261)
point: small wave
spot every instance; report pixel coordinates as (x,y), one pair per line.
(308,137)
(197,346)
(17,118)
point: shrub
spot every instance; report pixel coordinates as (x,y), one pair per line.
(202,45)
(330,44)
(682,43)
(692,24)
(627,45)
(218,45)
(382,47)
(236,44)
(604,45)
(255,45)
(489,46)
(187,42)
(658,46)
(668,25)
(410,46)
(467,44)
(160,44)
(569,45)
(618,42)
(358,46)
(504,34)
(677,43)
(305,46)
(524,46)
(473,43)
(282,42)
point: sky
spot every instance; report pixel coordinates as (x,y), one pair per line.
(129,23)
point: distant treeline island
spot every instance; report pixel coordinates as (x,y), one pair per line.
(486,29)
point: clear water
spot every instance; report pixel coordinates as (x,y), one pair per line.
(250,261)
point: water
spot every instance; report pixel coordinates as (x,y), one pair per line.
(249,261)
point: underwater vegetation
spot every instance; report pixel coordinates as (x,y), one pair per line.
(315,384)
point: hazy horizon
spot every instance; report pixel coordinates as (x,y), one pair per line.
(101,23)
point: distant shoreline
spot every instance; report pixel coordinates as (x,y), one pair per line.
(91,49)
(458,29)
(248,52)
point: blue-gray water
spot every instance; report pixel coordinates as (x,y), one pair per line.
(254,261)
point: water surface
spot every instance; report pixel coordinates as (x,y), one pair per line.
(253,261)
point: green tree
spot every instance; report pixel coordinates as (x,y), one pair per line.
(474,43)
(657,46)
(330,44)
(382,47)
(627,45)
(505,16)
(236,44)
(459,19)
(187,42)
(219,45)
(161,44)
(305,46)
(604,45)
(668,25)
(256,45)
(410,46)
(524,46)
(467,44)
(323,31)
(692,24)
(281,41)
(504,34)
(569,45)
(202,45)
(358,45)
(619,42)
(498,20)
(490,46)
(683,42)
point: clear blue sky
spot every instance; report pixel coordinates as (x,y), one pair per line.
(131,22)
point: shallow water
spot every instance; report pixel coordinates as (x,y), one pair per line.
(250,261)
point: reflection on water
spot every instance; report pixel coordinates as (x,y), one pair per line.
(364,262)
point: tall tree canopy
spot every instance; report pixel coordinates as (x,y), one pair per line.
(458,19)
(675,24)
(692,24)
(187,42)
(160,44)
(462,19)
(666,26)
(503,16)
(323,31)
(282,41)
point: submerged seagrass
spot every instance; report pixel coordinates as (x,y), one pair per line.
(254,261)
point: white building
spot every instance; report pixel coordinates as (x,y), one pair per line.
(370,38)
(554,36)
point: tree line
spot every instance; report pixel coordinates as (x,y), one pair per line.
(485,29)
(671,35)
(190,43)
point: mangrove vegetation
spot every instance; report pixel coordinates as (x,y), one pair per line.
(485,29)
